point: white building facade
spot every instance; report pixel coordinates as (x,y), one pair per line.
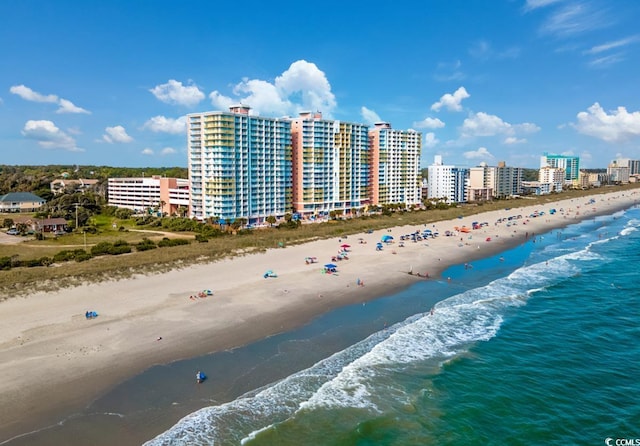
(447,182)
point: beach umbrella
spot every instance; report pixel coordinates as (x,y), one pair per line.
(345,246)
(330,265)
(386,237)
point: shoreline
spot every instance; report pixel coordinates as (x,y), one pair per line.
(47,334)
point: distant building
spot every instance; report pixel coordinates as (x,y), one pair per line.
(618,173)
(167,195)
(59,186)
(553,176)
(501,181)
(570,165)
(536,188)
(20,202)
(447,182)
(633,165)
(395,165)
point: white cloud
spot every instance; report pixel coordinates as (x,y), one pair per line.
(574,18)
(174,93)
(429,123)
(446,72)
(306,79)
(526,127)
(451,102)
(482,152)
(263,97)
(49,136)
(617,126)
(221,102)
(535,4)
(162,124)
(116,134)
(484,124)
(369,116)
(168,151)
(28,94)
(301,87)
(430,140)
(606,61)
(68,107)
(611,45)
(147,151)
(509,140)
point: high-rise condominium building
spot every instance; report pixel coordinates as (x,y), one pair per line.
(570,164)
(395,165)
(633,165)
(499,181)
(239,165)
(330,165)
(447,182)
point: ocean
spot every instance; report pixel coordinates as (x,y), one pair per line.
(538,345)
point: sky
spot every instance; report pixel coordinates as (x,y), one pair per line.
(110,82)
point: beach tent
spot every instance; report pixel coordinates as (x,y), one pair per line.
(387,238)
(269,273)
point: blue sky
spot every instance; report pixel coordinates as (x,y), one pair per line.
(109,82)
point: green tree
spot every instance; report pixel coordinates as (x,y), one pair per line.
(271,220)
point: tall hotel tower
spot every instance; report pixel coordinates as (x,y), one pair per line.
(330,165)
(395,165)
(239,165)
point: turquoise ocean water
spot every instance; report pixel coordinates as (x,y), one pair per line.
(539,345)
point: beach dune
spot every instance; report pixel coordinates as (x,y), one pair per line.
(54,359)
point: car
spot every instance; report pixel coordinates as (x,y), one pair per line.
(12,231)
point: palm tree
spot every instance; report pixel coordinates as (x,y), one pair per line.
(271,220)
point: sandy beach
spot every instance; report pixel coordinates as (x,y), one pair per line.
(54,359)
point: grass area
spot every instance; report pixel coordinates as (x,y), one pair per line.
(23,280)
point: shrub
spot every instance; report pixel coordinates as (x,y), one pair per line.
(63,256)
(123,213)
(81,257)
(172,242)
(101,249)
(201,238)
(5,262)
(145,245)
(120,249)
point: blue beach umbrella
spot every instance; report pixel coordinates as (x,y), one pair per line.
(330,265)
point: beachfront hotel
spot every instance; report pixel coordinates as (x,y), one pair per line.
(487,182)
(239,165)
(166,195)
(570,164)
(330,166)
(447,182)
(395,165)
